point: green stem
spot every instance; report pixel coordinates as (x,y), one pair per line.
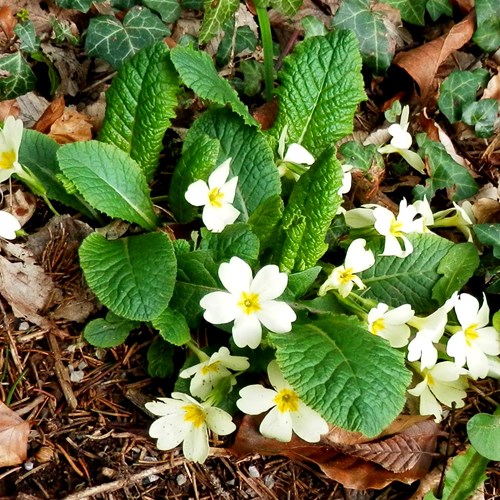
(197,351)
(267,45)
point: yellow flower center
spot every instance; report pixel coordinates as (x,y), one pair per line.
(215,198)
(194,414)
(210,368)
(396,227)
(346,275)
(377,326)
(429,378)
(249,302)
(7,159)
(471,334)
(286,400)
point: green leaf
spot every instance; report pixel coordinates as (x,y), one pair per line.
(412,11)
(244,40)
(321,87)
(362,382)
(313,26)
(466,474)
(482,115)
(489,234)
(169,10)
(396,281)
(483,431)
(16,76)
(197,162)
(252,158)
(286,7)
(140,103)
(173,327)
(81,5)
(196,273)
(197,71)
(299,283)
(253,74)
(487,34)
(445,173)
(115,42)
(437,8)
(216,14)
(27,36)
(265,218)
(109,332)
(109,180)
(457,267)
(134,277)
(459,90)
(38,153)
(160,359)
(375,43)
(311,208)
(359,156)
(236,240)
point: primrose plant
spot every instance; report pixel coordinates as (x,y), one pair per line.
(326,328)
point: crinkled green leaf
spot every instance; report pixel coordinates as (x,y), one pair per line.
(457,267)
(245,39)
(38,153)
(411,11)
(459,90)
(396,281)
(489,234)
(16,77)
(487,34)
(311,208)
(172,326)
(169,10)
(376,44)
(160,359)
(27,36)
(134,276)
(252,158)
(483,431)
(198,72)
(265,218)
(109,180)
(445,173)
(236,240)
(286,7)
(216,14)
(482,115)
(115,42)
(321,87)
(140,104)
(437,8)
(353,379)
(361,157)
(197,162)
(108,332)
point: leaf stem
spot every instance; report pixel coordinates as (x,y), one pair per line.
(267,46)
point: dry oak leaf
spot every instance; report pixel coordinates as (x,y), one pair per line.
(53,112)
(422,62)
(13,437)
(72,126)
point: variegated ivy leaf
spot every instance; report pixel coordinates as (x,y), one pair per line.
(216,14)
(16,77)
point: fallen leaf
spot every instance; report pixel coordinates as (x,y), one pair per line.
(31,107)
(266,114)
(72,126)
(21,204)
(492,90)
(8,108)
(53,112)
(13,437)
(422,62)
(7,23)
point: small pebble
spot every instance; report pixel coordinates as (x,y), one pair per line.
(252,470)
(29,465)
(24,326)
(181,479)
(269,481)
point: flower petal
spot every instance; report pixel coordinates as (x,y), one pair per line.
(466,308)
(229,189)
(195,446)
(8,225)
(276,377)
(197,193)
(255,399)
(169,431)
(220,421)
(217,218)
(220,307)
(219,176)
(236,276)
(276,316)
(277,425)
(269,283)
(308,424)
(298,154)
(357,257)
(247,331)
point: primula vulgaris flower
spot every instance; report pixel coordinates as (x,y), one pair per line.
(249,302)
(288,413)
(444,383)
(430,329)
(475,340)
(296,154)
(423,208)
(182,418)
(343,278)
(216,198)
(463,219)
(8,225)
(10,140)
(209,373)
(401,142)
(391,325)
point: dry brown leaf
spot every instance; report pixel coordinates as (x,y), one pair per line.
(72,126)
(22,204)
(266,114)
(7,23)
(31,107)
(8,108)
(53,112)
(422,62)
(465,6)
(13,437)
(492,90)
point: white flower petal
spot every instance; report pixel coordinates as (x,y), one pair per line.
(197,193)
(483,316)
(357,257)
(217,218)
(255,399)
(401,139)
(445,371)
(236,276)
(430,406)
(308,424)
(220,307)
(195,445)
(220,421)
(8,225)
(413,159)
(359,217)
(392,247)
(269,283)
(219,176)
(169,431)
(277,425)
(276,377)
(456,348)
(229,189)
(298,154)
(466,309)
(164,406)
(276,316)
(477,362)
(247,331)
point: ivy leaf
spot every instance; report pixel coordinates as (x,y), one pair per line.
(489,234)
(216,14)
(252,158)
(313,26)
(321,87)
(411,11)
(482,115)
(362,382)
(17,78)
(437,8)
(81,5)
(445,173)
(487,34)
(198,72)
(140,104)
(375,43)
(286,7)
(108,332)
(169,10)
(109,180)
(359,156)
(173,327)
(27,36)
(115,42)
(244,39)
(134,276)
